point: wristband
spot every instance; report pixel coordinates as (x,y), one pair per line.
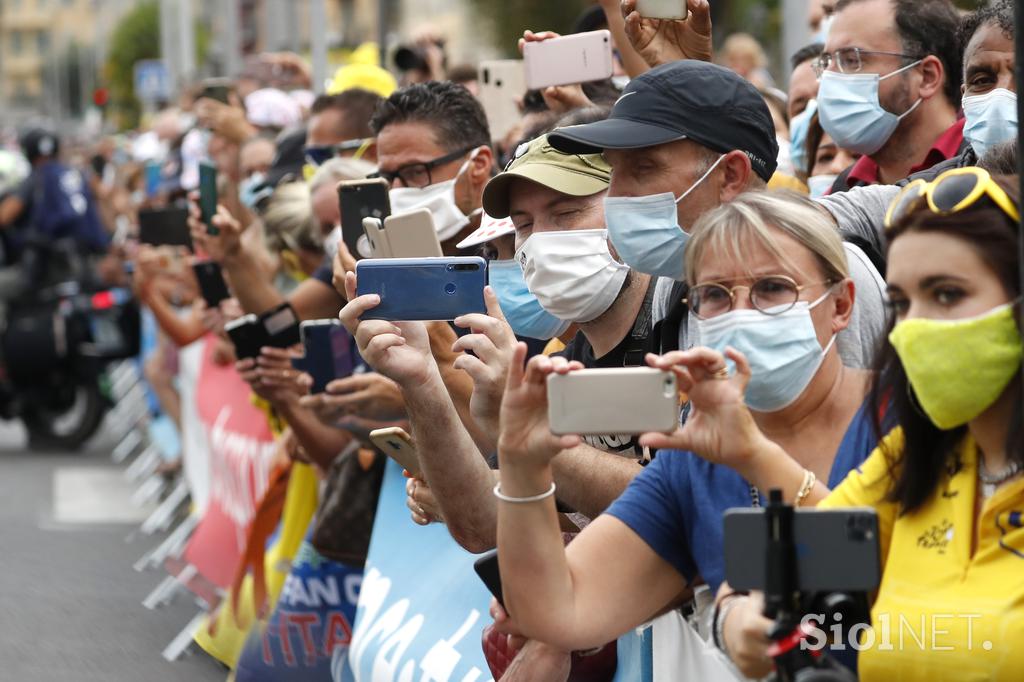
(523,500)
(722,609)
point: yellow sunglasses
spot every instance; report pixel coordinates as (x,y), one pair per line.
(951,192)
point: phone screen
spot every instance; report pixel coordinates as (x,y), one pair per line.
(208,195)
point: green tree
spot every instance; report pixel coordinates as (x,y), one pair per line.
(136,37)
(507,19)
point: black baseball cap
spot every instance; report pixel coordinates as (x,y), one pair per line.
(289,157)
(684,100)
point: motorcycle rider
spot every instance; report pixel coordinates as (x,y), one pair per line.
(53,204)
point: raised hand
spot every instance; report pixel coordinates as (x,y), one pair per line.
(660,41)
(493,343)
(369,395)
(226,244)
(720,427)
(525,436)
(398,350)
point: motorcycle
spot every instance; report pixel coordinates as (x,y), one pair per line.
(59,338)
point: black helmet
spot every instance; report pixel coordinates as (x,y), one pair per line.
(39,142)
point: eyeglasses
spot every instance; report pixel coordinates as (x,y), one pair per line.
(951,192)
(771,295)
(320,155)
(850,59)
(419,174)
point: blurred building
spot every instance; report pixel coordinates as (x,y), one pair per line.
(49,51)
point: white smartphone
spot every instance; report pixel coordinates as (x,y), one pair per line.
(397,444)
(578,58)
(412,235)
(376,238)
(662,9)
(502,85)
(626,401)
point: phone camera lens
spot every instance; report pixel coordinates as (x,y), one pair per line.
(450,268)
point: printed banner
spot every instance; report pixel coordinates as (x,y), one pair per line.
(311,623)
(241,448)
(421,605)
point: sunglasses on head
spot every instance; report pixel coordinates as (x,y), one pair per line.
(951,192)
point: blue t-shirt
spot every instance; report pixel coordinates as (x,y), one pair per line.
(676,503)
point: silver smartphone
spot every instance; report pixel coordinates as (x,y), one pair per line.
(376,238)
(662,9)
(626,400)
(578,58)
(412,235)
(502,85)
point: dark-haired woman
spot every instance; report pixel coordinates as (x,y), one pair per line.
(948,484)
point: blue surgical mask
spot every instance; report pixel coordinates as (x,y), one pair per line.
(826,26)
(798,129)
(247,193)
(819,185)
(522,310)
(645,230)
(851,114)
(783,351)
(991,119)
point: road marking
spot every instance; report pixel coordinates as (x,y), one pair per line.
(95,495)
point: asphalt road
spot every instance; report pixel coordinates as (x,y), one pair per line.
(70,602)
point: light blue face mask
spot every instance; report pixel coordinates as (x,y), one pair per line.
(820,184)
(645,230)
(247,193)
(799,126)
(851,114)
(991,119)
(522,310)
(783,351)
(826,26)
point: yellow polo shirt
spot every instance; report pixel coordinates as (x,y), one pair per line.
(943,613)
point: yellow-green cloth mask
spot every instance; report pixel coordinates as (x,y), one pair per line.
(958,368)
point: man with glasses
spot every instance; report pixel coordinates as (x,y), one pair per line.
(889,87)
(339,125)
(433,147)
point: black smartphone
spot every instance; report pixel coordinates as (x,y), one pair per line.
(281,325)
(487,568)
(208,195)
(164,227)
(248,336)
(327,352)
(359,199)
(211,282)
(836,549)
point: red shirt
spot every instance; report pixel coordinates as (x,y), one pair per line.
(865,171)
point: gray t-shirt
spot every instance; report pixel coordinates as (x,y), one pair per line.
(856,344)
(860,212)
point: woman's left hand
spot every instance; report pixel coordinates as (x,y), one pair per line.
(720,427)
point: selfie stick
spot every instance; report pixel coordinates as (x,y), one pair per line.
(782,598)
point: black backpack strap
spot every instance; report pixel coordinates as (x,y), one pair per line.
(640,335)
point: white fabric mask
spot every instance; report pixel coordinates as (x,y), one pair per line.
(449,220)
(331,241)
(572,272)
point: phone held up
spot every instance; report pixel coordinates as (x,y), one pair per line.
(568,60)
(208,195)
(327,352)
(359,200)
(397,444)
(626,400)
(426,289)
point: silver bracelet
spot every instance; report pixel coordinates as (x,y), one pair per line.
(523,500)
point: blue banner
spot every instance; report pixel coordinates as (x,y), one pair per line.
(421,605)
(311,623)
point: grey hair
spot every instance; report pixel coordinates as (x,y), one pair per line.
(288,220)
(338,169)
(754,218)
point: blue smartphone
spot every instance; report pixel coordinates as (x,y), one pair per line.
(208,195)
(427,289)
(328,354)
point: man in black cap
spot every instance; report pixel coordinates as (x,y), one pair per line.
(684,138)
